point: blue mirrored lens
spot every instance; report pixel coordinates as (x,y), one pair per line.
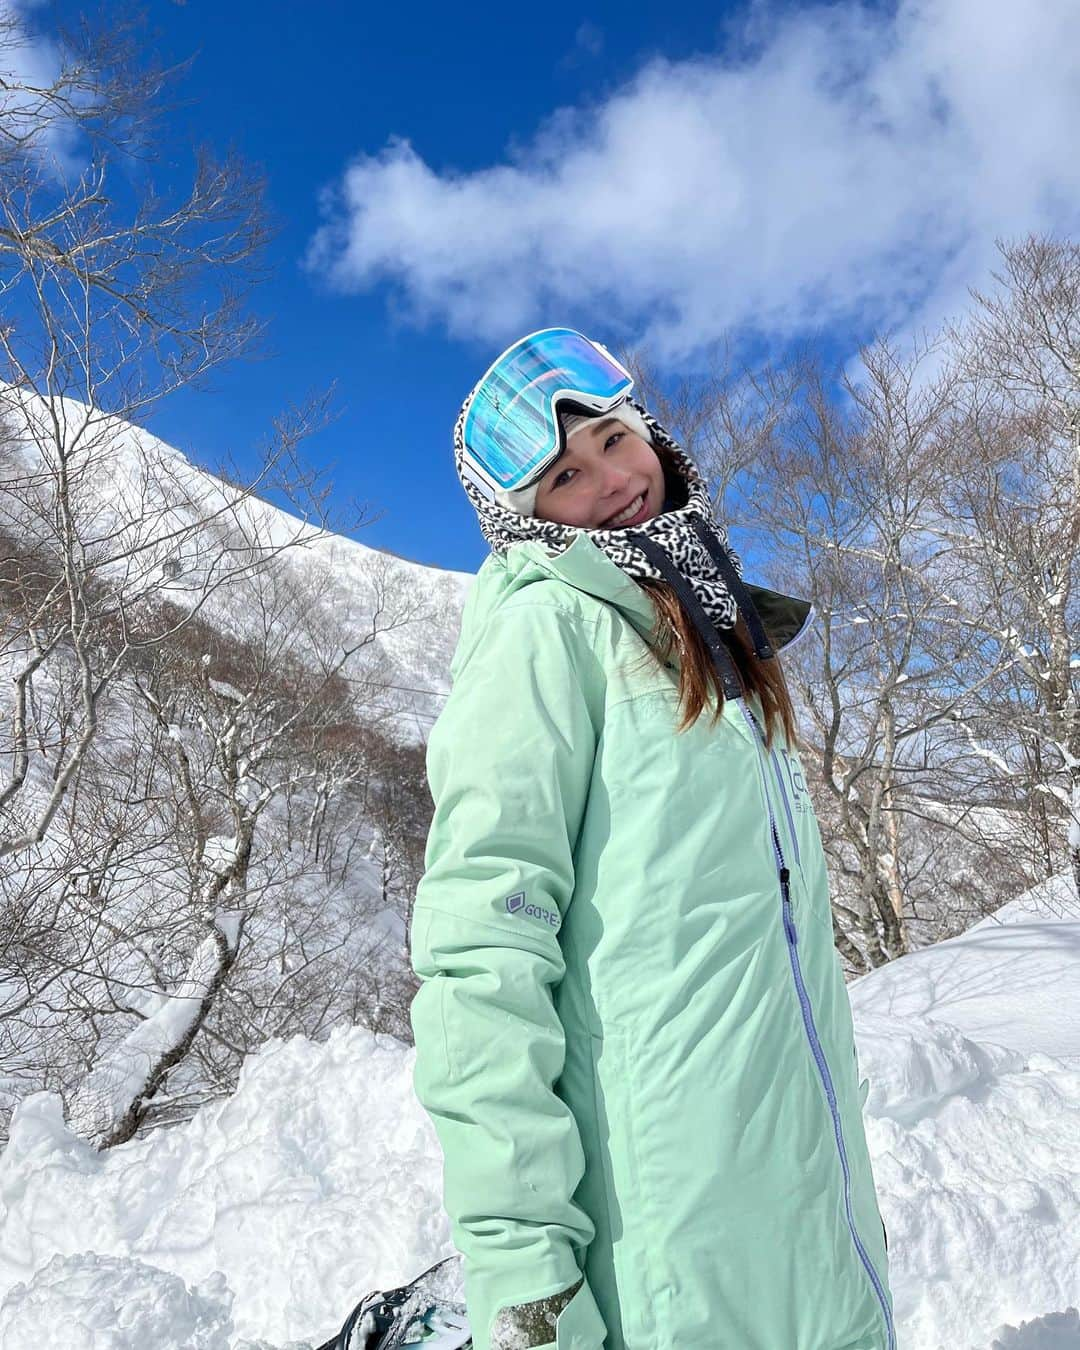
(511,431)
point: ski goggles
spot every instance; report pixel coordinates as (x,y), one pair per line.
(512,432)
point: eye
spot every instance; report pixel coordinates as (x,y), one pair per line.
(559,478)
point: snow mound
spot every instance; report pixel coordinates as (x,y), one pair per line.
(973,1126)
(917,1065)
(1058,1331)
(317,1181)
(91,1302)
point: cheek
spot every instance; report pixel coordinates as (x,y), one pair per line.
(564,508)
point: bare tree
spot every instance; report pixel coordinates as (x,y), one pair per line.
(159,911)
(1009,513)
(838,500)
(111,302)
(88,84)
(215,924)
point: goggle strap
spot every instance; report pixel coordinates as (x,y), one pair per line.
(710,634)
(480,483)
(763,648)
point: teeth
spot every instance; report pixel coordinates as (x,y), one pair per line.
(631,510)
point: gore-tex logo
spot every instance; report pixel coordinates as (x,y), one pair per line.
(515,904)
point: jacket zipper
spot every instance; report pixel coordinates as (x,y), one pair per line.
(792,938)
(774,757)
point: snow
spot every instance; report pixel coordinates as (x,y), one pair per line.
(227,691)
(1013,980)
(227,922)
(1058,1331)
(972,1049)
(89,1302)
(320,1178)
(138,493)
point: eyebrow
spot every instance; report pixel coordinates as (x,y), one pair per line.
(595,430)
(602,426)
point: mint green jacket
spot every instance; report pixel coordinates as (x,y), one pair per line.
(632,1031)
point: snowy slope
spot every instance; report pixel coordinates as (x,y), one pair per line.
(152,525)
(320,1177)
(136,492)
(1006,980)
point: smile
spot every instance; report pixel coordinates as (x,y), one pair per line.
(628,515)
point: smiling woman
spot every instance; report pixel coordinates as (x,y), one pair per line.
(632,1032)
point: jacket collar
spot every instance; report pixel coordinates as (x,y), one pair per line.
(587,568)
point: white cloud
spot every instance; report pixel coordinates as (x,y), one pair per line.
(30,60)
(842,164)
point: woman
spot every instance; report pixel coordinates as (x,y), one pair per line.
(632,1031)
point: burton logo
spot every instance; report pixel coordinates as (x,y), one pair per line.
(516,904)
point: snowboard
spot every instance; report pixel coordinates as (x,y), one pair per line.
(428,1312)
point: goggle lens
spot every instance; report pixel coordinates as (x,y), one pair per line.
(511,430)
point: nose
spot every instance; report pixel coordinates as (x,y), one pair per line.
(614,481)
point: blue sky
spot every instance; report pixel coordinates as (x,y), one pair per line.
(447,177)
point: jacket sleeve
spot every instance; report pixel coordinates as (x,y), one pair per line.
(509,762)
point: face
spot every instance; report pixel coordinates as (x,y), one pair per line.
(604,469)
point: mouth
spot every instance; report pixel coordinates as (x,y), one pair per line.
(629,515)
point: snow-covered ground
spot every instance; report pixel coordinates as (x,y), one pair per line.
(972,1048)
(264,1218)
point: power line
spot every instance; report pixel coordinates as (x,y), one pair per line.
(435,693)
(403,688)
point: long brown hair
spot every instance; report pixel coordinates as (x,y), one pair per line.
(699,682)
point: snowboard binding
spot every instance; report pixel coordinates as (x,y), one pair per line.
(424,1313)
